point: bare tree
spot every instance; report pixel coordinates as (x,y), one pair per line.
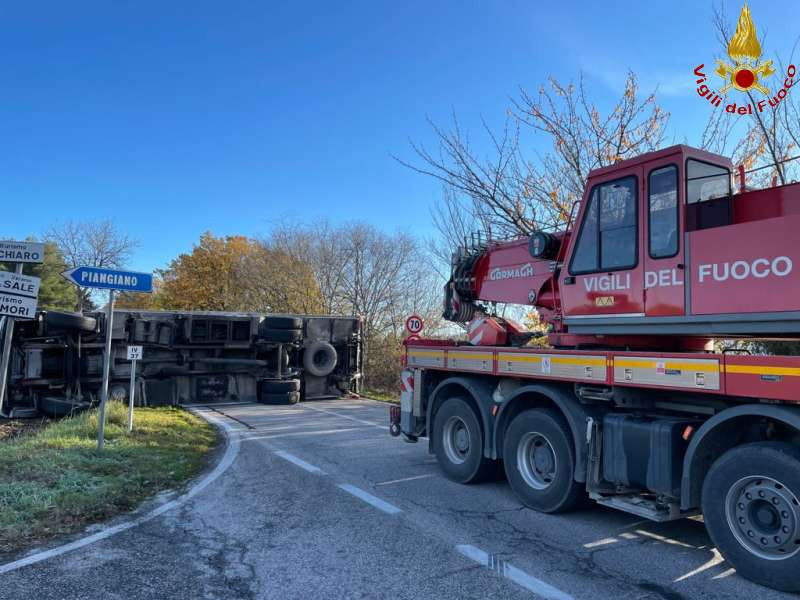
(362,271)
(92,244)
(506,194)
(770,137)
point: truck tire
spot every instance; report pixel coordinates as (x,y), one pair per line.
(539,460)
(285,398)
(56,320)
(320,359)
(283,336)
(282,323)
(751,508)
(458,443)
(280,386)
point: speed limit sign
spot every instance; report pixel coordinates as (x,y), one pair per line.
(414,324)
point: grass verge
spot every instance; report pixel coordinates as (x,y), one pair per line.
(54,481)
(382,396)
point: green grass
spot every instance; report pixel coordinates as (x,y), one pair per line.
(54,481)
(381,396)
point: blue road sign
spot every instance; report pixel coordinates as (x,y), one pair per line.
(110,279)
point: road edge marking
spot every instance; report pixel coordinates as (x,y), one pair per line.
(231,451)
(287,456)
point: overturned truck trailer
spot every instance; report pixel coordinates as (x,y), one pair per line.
(188,358)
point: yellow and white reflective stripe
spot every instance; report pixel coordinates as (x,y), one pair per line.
(640,363)
(580,361)
(471,355)
(436,353)
(762,370)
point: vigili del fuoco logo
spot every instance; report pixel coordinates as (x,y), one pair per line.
(747,73)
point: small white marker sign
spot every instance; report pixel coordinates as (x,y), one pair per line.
(134,352)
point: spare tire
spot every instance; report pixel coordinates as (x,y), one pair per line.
(55,320)
(320,359)
(282,323)
(281,335)
(287,398)
(279,386)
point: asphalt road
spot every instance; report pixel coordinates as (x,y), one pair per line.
(319,502)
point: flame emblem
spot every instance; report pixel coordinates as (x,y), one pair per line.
(745,50)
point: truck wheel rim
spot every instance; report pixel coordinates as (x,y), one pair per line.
(456,440)
(536,460)
(764,516)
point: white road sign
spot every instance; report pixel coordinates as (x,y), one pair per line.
(21,252)
(19,307)
(19,285)
(134,352)
(18,295)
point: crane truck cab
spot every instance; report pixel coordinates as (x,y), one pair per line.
(663,247)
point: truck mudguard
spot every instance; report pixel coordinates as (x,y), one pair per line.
(481,392)
(704,440)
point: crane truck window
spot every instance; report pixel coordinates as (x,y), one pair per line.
(705,181)
(663,207)
(607,240)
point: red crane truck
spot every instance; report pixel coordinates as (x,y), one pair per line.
(629,404)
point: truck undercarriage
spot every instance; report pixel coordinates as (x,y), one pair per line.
(188,357)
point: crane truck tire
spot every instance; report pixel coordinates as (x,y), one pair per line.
(458,443)
(282,323)
(539,459)
(284,336)
(751,508)
(320,359)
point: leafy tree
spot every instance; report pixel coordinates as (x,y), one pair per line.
(235,273)
(209,277)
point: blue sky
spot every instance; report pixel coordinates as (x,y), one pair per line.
(173,118)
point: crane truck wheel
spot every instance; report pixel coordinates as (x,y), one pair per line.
(458,443)
(539,459)
(751,508)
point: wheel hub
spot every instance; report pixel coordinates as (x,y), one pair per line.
(456,440)
(764,516)
(536,460)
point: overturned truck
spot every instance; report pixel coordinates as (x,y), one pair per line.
(188,358)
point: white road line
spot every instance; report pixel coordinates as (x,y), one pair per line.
(603,542)
(303,433)
(299,462)
(509,571)
(227,460)
(406,479)
(370,499)
(349,418)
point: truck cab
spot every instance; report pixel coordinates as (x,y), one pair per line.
(662,245)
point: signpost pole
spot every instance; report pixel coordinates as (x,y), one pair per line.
(101,417)
(5,359)
(131,395)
